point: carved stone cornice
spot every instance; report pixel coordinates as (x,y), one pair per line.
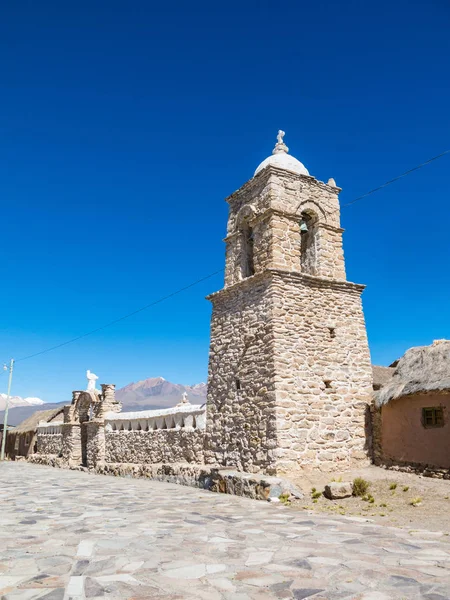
(263,177)
(296,277)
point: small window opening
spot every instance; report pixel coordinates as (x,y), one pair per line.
(238,384)
(433,417)
(308,243)
(327,383)
(332,331)
(194,422)
(248,265)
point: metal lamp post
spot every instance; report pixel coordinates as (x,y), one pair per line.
(5,420)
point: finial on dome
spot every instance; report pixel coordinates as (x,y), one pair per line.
(280,146)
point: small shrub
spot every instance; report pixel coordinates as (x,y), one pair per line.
(405,488)
(316,495)
(371,499)
(315,501)
(360,486)
(383,505)
(284,498)
(382,514)
(393,486)
(415,501)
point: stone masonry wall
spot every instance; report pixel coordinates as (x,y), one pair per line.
(49,443)
(161,446)
(323,373)
(240,422)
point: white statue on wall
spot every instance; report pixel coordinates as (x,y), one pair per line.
(92,378)
(184,399)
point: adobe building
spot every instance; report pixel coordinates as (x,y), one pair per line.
(290,377)
(412,410)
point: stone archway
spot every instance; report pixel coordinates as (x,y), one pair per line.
(83,429)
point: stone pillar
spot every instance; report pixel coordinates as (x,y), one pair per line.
(71,434)
(71,443)
(95,444)
(70,415)
(109,402)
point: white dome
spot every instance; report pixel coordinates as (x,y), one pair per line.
(281,159)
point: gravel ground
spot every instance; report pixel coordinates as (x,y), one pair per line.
(416,502)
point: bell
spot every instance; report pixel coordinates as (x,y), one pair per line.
(303,227)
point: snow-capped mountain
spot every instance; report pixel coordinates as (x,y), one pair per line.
(15,401)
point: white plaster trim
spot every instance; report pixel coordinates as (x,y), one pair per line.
(148,414)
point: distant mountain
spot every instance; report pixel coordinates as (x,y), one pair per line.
(15,401)
(153,393)
(156,392)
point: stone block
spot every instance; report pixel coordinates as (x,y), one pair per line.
(337,490)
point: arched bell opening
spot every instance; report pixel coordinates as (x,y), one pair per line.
(308,242)
(247,245)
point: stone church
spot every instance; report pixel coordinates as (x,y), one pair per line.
(290,376)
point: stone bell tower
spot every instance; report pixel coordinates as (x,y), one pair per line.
(289,366)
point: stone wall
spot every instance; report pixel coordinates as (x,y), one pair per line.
(49,438)
(145,437)
(147,447)
(323,373)
(241,431)
(156,436)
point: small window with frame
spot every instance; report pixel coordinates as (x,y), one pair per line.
(433,417)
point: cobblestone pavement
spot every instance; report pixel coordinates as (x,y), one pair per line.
(67,534)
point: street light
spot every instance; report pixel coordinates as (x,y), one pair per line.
(5,419)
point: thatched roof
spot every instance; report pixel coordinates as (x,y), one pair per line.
(381,376)
(420,370)
(32,422)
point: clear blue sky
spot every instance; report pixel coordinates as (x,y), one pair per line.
(124,125)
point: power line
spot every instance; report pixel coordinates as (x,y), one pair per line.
(380,187)
(135,312)
(176,292)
